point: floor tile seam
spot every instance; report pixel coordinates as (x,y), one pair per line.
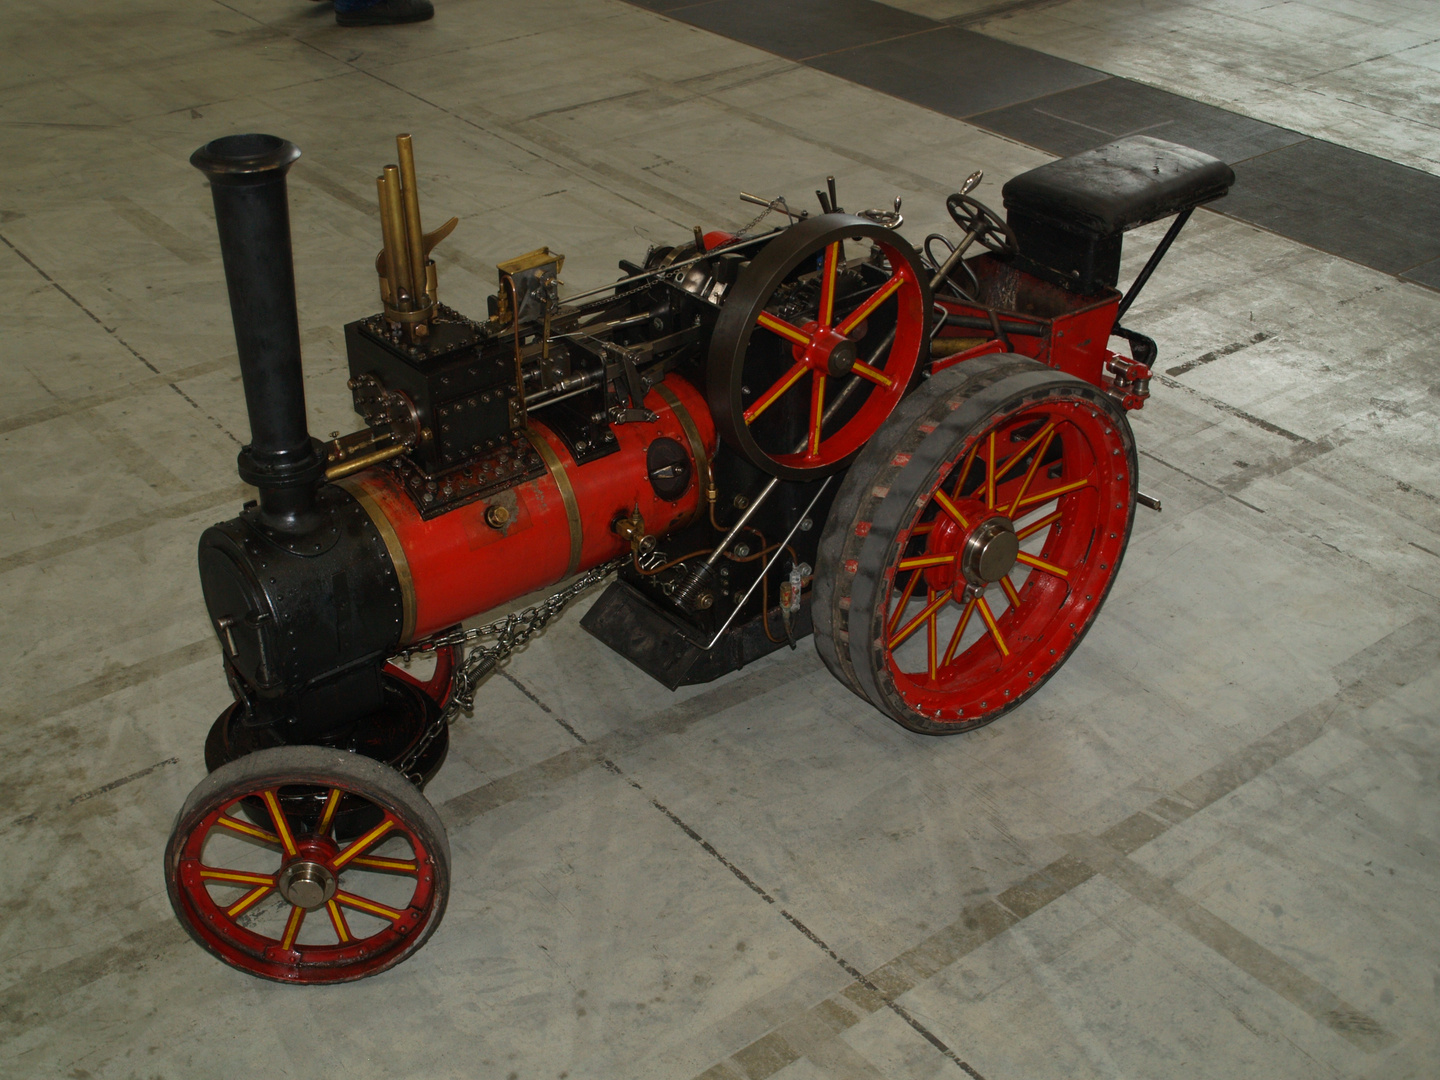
(64,408)
(85,796)
(467,806)
(851,48)
(1061,876)
(766,896)
(967,118)
(118,529)
(125,677)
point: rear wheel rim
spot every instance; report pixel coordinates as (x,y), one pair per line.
(957,650)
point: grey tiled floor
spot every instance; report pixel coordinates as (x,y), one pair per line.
(1208,848)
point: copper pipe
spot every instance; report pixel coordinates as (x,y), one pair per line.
(393,222)
(364,461)
(411,202)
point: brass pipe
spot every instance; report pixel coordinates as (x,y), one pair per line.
(395,247)
(364,461)
(411,204)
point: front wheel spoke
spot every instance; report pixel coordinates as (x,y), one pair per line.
(775,392)
(359,847)
(236,877)
(1048,431)
(991,625)
(400,866)
(1053,493)
(828,277)
(950,508)
(940,600)
(370,907)
(292,928)
(249,900)
(875,375)
(337,920)
(959,632)
(1041,564)
(332,804)
(1036,526)
(1010,592)
(244,828)
(277,818)
(865,310)
(788,331)
(817,414)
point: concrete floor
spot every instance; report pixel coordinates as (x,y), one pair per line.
(1207,849)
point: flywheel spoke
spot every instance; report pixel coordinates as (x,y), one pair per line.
(828,277)
(878,297)
(775,392)
(788,331)
(817,414)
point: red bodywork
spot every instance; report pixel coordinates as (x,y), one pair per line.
(1073,331)
(457,565)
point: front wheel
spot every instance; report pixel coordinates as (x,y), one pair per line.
(283,895)
(973,542)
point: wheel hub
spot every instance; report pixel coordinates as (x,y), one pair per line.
(990,550)
(306,884)
(829,352)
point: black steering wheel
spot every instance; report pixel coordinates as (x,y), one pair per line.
(989,228)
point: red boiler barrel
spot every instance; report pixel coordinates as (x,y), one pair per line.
(457,565)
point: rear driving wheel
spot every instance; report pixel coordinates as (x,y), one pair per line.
(290,899)
(971,551)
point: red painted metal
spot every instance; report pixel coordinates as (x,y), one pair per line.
(1075,334)
(261,952)
(961,676)
(461,566)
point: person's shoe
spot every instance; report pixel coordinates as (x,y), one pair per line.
(383,12)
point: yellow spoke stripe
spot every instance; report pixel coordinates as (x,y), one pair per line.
(1046,496)
(774,393)
(923,560)
(1036,526)
(239,877)
(337,920)
(989,617)
(292,928)
(865,371)
(1041,564)
(904,603)
(865,310)
(950,508)
(817,413)
(784,329)
(246,829)
(941,599)
(990,470)
(359,903)
(355,850)
(959,632)
(1049,433)
(246,902)
(277,817)
(827,284)
(1010,593)
(331,805)
(405,866)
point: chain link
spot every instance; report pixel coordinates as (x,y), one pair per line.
(480,661)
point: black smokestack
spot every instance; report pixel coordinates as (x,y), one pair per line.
(247,181)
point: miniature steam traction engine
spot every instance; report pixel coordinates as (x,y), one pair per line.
(922,458)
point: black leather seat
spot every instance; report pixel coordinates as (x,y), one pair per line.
(1069,215)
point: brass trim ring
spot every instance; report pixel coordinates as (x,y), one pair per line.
(567,493)
(386,529)
(692,434)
